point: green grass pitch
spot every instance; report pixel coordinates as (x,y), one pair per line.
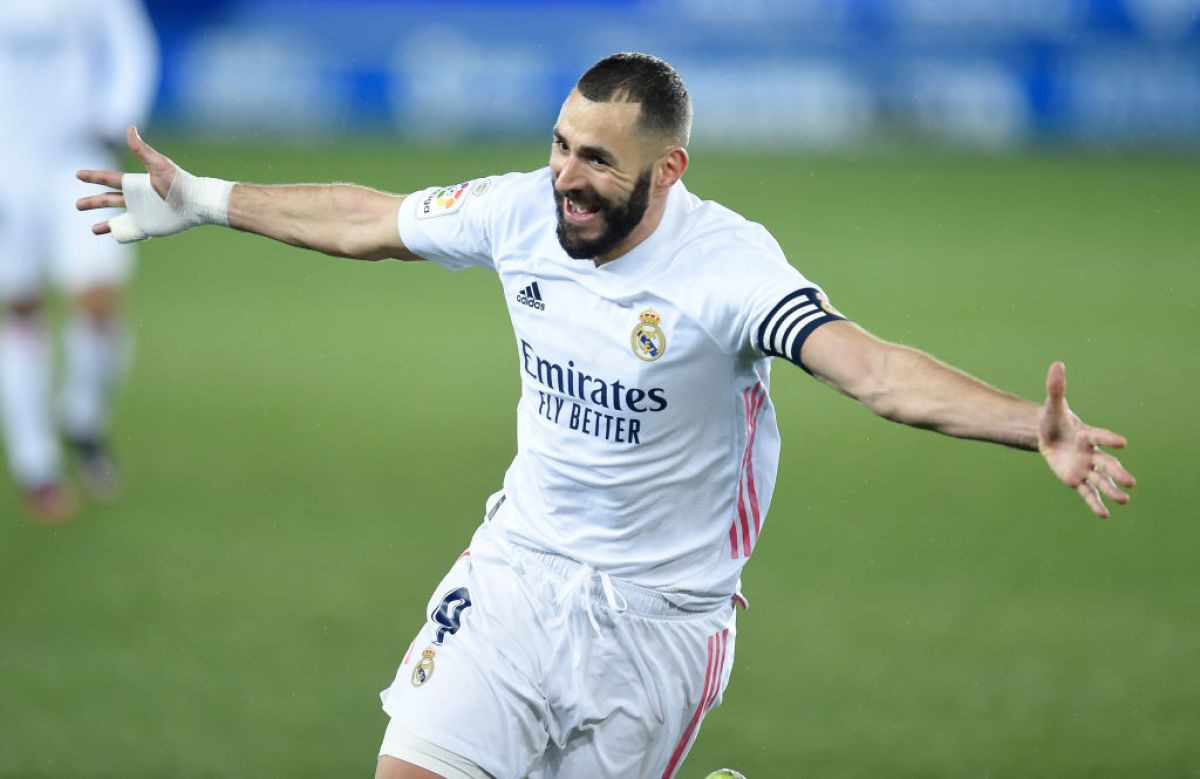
(308,443)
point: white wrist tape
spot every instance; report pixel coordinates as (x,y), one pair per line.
(193,200)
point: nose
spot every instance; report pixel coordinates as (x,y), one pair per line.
(569,176)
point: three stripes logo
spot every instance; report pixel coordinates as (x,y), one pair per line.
(531,296)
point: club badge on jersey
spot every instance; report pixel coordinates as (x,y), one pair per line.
(424,669)
(648,340)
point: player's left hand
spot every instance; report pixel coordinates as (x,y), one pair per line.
(1072,449)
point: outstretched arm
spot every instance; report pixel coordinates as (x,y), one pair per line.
(908,386)
(343,220)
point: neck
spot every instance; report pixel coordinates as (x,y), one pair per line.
(644,230)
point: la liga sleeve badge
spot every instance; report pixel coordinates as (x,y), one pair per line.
(443,200)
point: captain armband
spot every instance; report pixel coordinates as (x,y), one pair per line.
(783,331)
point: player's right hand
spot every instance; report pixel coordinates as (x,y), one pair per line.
(145,196)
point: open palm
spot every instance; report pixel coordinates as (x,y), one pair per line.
(1072,449)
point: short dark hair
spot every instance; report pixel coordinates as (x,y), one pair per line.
(630,77)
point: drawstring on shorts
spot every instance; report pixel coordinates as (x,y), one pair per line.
(580,582)
(622,598)
(580,585)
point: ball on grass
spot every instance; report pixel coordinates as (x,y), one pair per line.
(725,773)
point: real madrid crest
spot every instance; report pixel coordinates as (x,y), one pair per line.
(424,668)
(648,340)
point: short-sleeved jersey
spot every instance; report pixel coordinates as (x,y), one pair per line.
(647,445)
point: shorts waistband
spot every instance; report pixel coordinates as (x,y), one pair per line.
(640,600)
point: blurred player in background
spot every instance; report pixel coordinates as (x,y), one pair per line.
(73,75)
(590,626)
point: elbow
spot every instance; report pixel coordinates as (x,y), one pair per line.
(879,388)
(890,408)
(884,403)
(906,389)
(894,381)
(368,253)
(370,232)
(350,249)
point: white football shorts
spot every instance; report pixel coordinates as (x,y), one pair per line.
(45,240)
(533,664)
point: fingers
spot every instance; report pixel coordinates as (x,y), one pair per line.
(1101,482)
(1092,498)
(1104,484)
(1111,467)
(105,178)
(104,200)
(142,150)
(1108,438)
(1055,414)
(1056,383)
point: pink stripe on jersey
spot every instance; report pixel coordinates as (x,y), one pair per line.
(753,400)
(712,677)
(744,519)
(762,397)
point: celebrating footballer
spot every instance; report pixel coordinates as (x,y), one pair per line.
(589,627)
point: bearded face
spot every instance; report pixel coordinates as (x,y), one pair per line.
(599,224)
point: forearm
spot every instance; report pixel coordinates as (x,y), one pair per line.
(916,389)
(342,220)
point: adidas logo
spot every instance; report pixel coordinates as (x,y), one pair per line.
(531,296)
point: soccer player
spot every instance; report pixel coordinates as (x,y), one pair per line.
(73,75)
(589,627)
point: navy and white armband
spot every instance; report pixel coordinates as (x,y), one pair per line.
(783,331)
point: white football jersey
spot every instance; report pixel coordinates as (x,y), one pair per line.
(72,71)
(646,439)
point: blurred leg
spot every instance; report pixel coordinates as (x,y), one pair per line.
(25,377)
(95,355)
(26,354)
(25,408)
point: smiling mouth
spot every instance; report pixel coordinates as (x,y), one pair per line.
(578,213)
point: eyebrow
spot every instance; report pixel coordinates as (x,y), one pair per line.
(599,152)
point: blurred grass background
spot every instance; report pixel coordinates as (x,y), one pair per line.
(308,443)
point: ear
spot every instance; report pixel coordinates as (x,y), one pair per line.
(670,167)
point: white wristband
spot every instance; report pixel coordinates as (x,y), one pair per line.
(192,201)
(205,198)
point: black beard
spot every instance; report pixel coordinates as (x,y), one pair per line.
(620,219)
